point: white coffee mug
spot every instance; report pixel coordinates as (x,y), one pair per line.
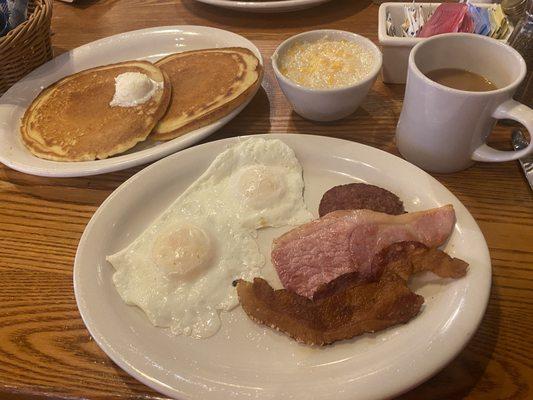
(445,130)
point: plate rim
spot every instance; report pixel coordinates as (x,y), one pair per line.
(397,389)
(59,169)
(277,5)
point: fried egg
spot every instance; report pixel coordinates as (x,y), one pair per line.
(258,182)
(180,270)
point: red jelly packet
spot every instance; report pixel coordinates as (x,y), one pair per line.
(447,18)
(467,25)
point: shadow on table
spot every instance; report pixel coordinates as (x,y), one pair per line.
(87,3)
(254,119)
(467,372)
(80,191)
(311,17)
(366,125)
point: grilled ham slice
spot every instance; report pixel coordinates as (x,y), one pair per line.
(345,307)
(315,253)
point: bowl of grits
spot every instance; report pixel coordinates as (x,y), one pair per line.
(326,74)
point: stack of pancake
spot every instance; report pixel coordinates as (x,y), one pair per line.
(72,120)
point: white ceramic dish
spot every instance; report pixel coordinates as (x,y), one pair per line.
(147,44)
(427,136)
(396,49)
(244,360)
(265,6)
(326,104)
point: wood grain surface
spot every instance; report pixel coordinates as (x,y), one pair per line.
(45,350)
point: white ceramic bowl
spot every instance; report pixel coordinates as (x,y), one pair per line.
(326,104)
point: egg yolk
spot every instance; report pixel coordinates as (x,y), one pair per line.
(260,186)
(182,250)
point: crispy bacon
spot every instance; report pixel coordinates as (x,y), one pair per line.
(345,307)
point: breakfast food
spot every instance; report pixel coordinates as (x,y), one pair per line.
(103,111)
(408,258)
(351,312)
(206,85)
(258,182)
(180,270)
(346,307)
(327,63)
(355,196)
(345,241)
(72,120)
(343,274)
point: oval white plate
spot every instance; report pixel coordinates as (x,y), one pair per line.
(244,360)
(148,44)
(265,6)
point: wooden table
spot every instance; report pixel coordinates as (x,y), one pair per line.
(45,350)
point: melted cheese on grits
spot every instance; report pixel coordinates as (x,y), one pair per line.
(326,63)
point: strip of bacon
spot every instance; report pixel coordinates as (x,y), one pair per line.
(345,307)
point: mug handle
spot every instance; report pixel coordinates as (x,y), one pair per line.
(514,110)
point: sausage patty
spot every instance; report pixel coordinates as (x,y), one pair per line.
(355,196)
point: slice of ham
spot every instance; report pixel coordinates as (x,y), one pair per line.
(344,307)
(315,253)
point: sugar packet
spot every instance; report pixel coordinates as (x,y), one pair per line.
(480,16)
(499,24)
(414,19)
(391,30)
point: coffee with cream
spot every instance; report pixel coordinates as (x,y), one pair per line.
(445,130)
(461,79)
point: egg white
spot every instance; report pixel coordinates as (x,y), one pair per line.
(187,301)
(258,181)
(179,271)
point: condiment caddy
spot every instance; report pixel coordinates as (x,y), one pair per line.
(396,49)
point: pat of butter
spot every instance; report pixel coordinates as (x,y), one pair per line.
(133,89)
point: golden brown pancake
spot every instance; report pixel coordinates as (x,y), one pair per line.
(206,86)
(72,120)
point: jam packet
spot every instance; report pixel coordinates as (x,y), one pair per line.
(465,17)
(467,25)
(447,18)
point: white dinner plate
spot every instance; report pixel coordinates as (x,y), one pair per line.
(248,361)
(265,6)
(146,44)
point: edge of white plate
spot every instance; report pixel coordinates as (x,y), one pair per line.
(58,169)
(269,6)
(394,389)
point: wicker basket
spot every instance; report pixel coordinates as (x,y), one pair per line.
(27,46)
